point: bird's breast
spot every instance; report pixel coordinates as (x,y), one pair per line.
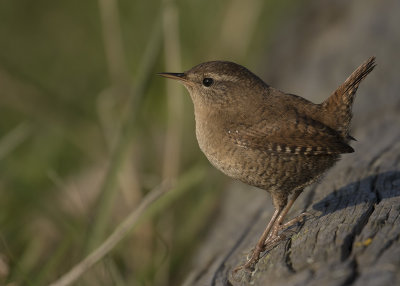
(217,146)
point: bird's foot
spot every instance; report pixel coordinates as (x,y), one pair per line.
(293,221)
(275,236)
(270,243)
(273,241)
(251,262)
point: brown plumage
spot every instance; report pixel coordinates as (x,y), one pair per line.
(267,138)
(341,101)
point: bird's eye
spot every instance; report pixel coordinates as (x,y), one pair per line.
(208,81)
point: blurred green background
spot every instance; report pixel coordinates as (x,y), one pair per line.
(87,129)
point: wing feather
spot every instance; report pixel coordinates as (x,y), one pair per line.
(289,134)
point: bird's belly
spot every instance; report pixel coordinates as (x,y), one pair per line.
(273,172)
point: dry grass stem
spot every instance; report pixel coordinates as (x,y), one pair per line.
(172,54)
(13,139)
(119,233)
(124,141)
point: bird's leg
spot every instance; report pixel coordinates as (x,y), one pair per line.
(273,241)
(293,221)
(270,236)
(255,256)
(278,222)
(275,238)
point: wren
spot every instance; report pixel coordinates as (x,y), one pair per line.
(267,138)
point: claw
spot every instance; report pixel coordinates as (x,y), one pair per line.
(297,219)
(273,241)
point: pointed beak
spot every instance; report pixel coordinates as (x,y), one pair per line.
(177,76)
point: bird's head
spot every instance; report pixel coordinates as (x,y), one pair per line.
(219,83)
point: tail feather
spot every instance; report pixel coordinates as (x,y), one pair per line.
(341,101)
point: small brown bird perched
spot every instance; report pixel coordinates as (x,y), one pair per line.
(266,138)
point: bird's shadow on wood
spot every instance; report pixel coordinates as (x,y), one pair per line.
(372,189)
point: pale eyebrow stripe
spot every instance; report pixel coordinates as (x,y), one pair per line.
(223,77)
